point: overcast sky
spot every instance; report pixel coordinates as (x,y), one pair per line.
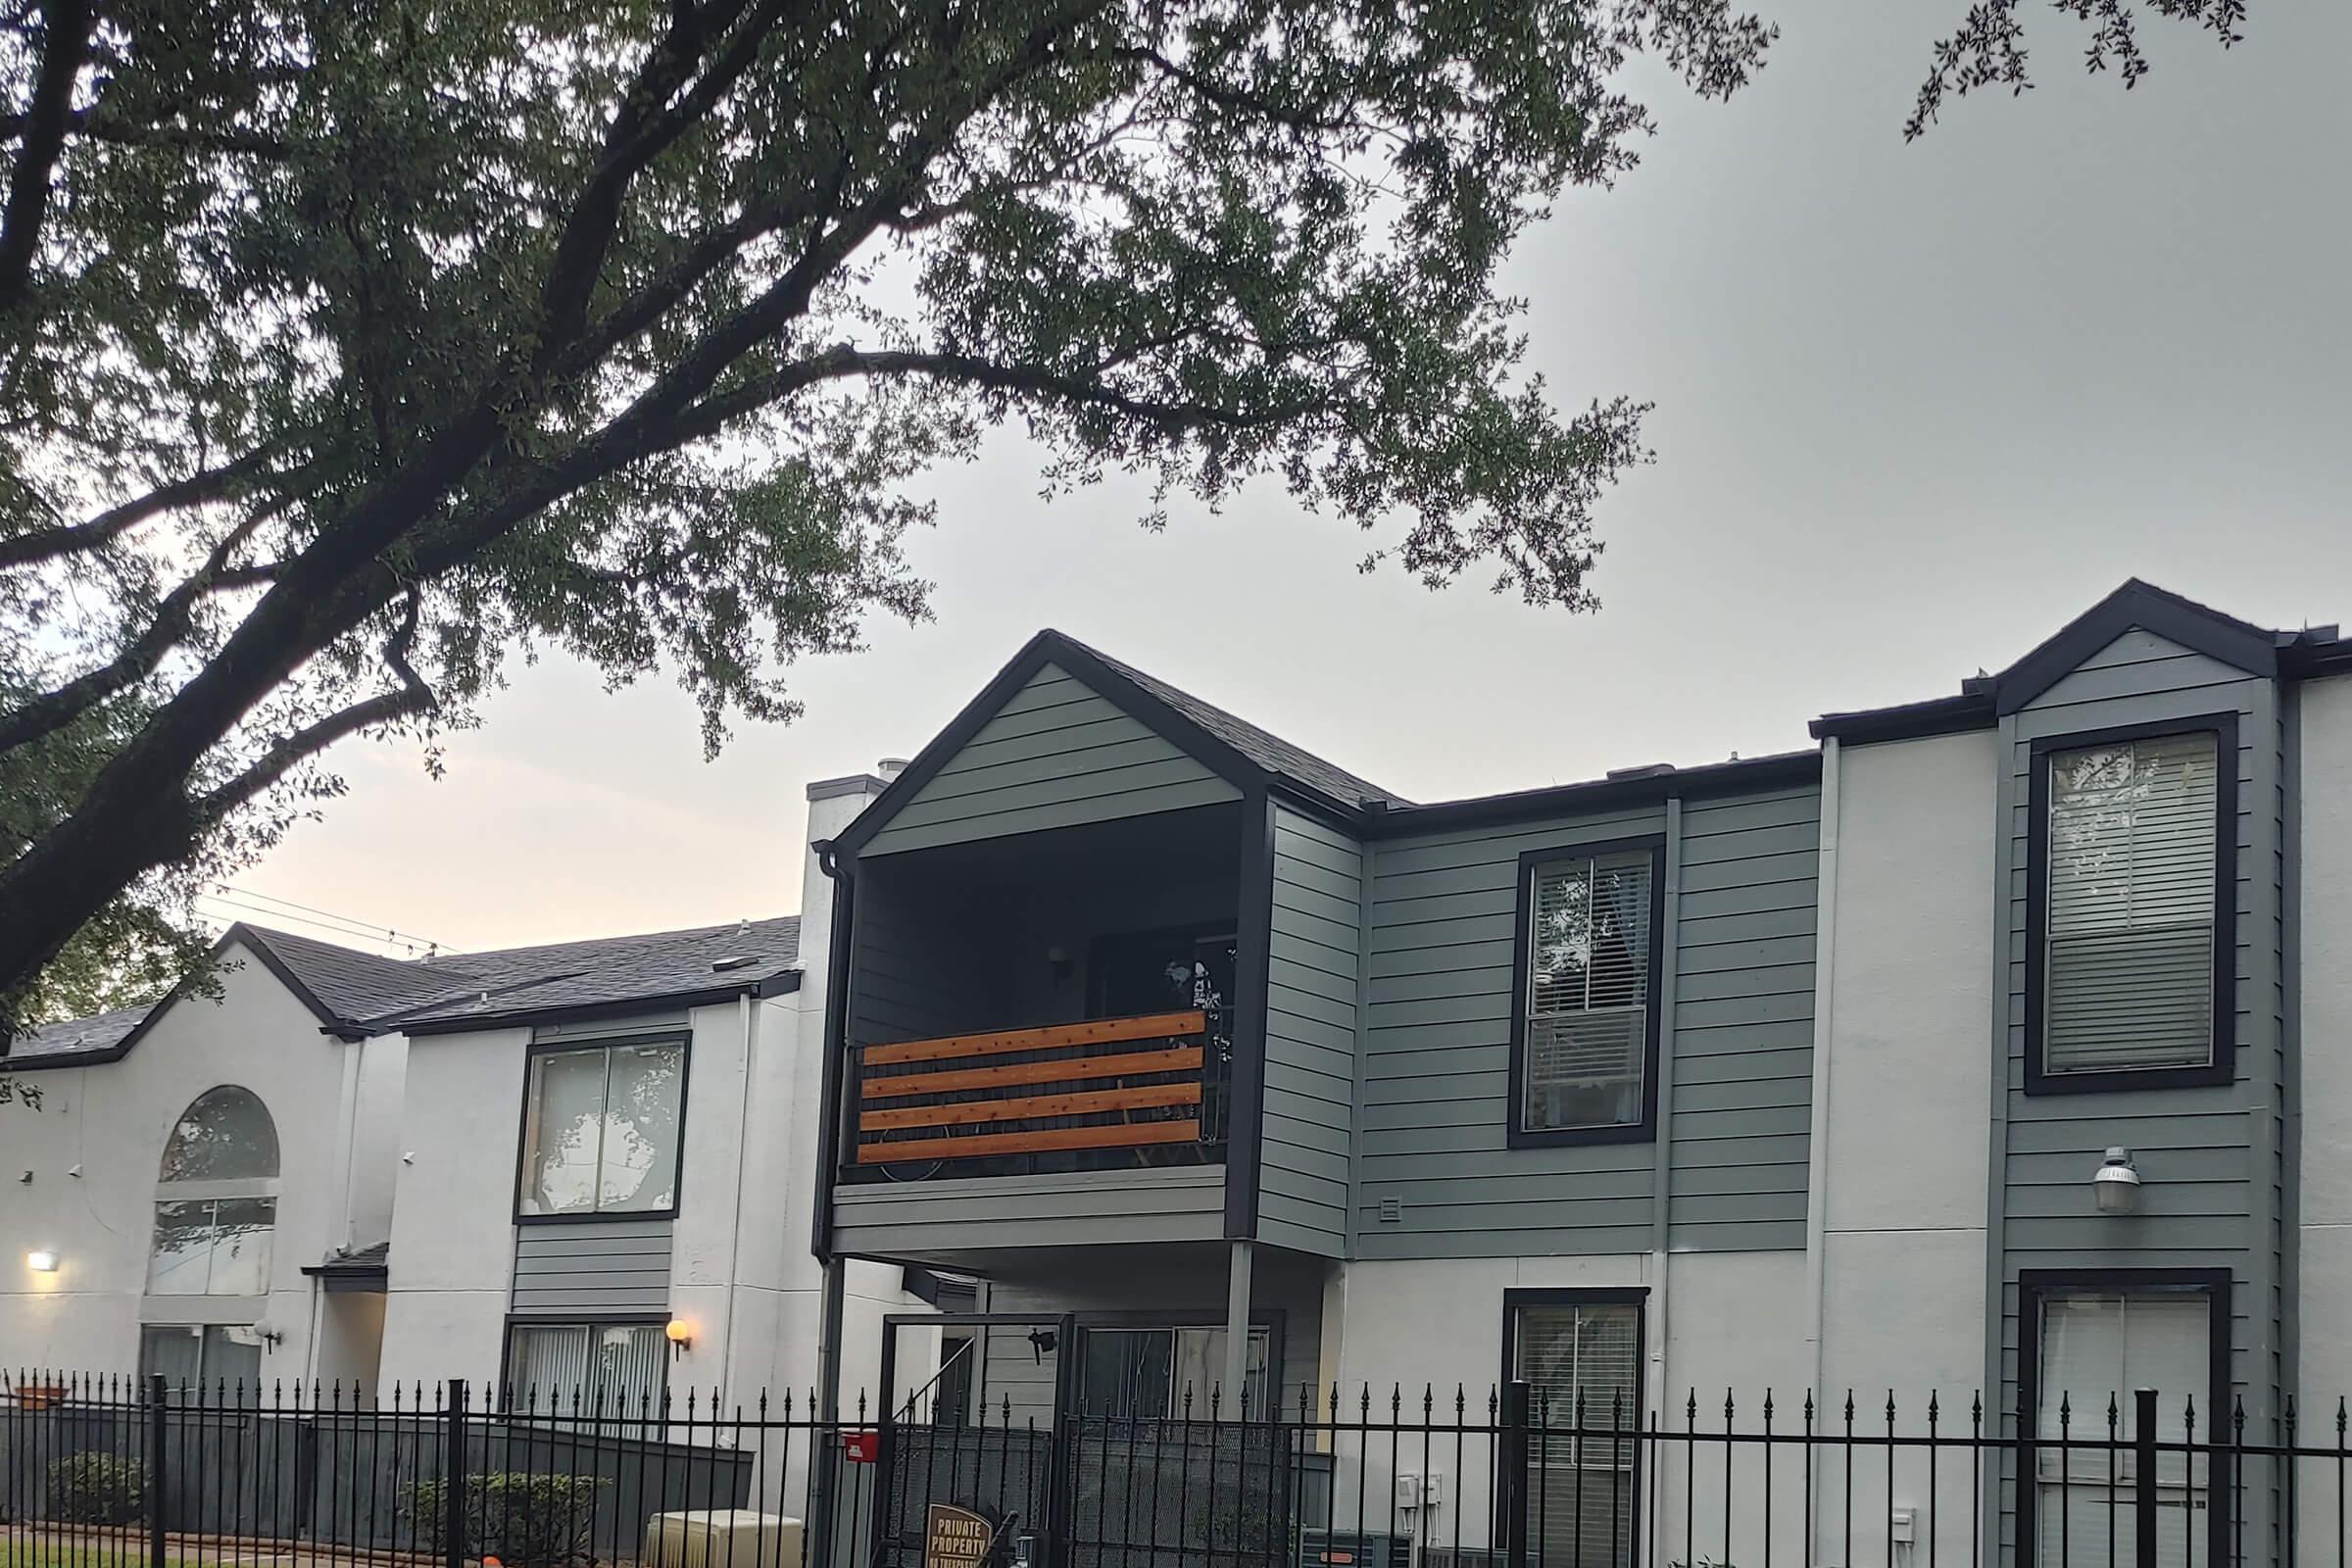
(1916,406)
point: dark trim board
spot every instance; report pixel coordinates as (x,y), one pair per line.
(2136,606)
(1516,1132)
(683,1039)
(831,1112)
(329,1021)
(2223,1066)
(775,985)
(1716,778)
(1245,1090)
(2032,1286)
(1048,648)
(1910,722)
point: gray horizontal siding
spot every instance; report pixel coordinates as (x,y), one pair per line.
(2209,1156)
(943,1219)
(1055,754)
(601,1268)
(1313,953)
(1742,1080)
(1434,1104)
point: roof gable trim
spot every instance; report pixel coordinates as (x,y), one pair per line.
(1051,648)
(2136,606)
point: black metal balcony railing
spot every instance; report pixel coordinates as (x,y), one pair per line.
(1106,1084)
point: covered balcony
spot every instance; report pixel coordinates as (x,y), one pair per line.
(1043,1003)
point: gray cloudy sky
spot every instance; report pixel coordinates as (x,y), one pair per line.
(1916,406)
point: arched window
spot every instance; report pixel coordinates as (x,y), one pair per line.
(226,1134)
(215,1210)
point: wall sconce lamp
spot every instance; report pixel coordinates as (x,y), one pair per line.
(2116,1183)
(41,1260)
(680,1333)
(1058,962)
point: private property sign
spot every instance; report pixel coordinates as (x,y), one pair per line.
(956,1537)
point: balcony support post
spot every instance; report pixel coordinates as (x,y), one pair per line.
(1237,1333)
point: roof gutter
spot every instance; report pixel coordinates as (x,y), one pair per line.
(1715,778)
(775,985)
(1971,710)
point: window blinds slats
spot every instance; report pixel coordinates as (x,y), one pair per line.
(2096,1347)
(1587,1003)
(1581,1365)
(2129,916)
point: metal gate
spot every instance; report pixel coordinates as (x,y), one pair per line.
(1060,1486)
(937,1445)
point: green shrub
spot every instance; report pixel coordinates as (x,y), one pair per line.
(523,1520)
(97,1488)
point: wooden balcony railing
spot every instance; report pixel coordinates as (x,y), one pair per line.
(1107,1084)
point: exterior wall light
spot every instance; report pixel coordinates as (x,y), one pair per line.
(2116,1183)
(680,1333)
(41,1260)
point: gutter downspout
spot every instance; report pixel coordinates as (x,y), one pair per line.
(748,1009)
(1662,1153)
(1817,1165)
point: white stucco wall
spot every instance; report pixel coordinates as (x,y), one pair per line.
(2324,1299)
(742,1274)
(1904,1303)
(112,1120)
(1435,1327)
(453,1221)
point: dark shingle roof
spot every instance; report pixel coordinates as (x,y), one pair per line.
(1268,751)
(606,970)
(78,1037)
(352,985)
(362,993)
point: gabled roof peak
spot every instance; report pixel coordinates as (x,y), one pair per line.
(2134,605)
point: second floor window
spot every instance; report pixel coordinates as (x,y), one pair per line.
(600,1130)
(2131,906)
(1587,1012)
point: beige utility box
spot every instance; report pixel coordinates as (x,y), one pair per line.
(722,1537)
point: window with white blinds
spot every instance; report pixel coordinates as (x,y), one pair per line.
(2095,1348)
(1582,1366)
(616,1371)
(1587,996)
(2128,923)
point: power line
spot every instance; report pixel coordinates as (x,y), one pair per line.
(317,919)
(394,945)
(328,914)
(323,923)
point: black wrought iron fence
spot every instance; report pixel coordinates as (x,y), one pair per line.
(120,1473)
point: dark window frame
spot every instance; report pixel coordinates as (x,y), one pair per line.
(1636,1296)
(2033,1288)
(683,1039)
(1645,1130)
(506,1391)
(1103,945)
(2222,1068)
(1274,1320)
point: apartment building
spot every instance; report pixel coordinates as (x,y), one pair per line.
(1962,1055)
(578,1171)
